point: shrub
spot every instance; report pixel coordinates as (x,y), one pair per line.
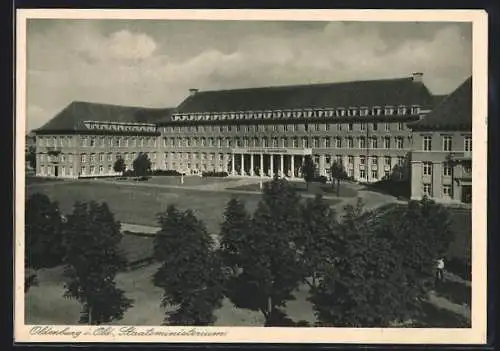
(165,172)
(214,174)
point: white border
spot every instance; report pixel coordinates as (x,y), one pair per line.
(476,334)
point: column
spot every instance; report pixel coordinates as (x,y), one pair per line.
(437,180)
(251,165)
(242,172)
(416,180)
(271,165)
(232,164)
(261,164)
(292,165)
(321,165)
(282,165)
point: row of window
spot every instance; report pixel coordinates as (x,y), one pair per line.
(446,143)
(97,141)
(318,127)
(446,189)
(301,113)
(317,142)
(427,169)
(328,158)
(109,157)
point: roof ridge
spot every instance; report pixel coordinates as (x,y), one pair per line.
(308,85)
(116,105)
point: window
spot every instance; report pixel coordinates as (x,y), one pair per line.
(389,111)
(447,143)
(101,157)
(306,127)
(339,127)
(70,158)
(229,128)
(265,142)
(295,127)
(376,111)
(468,144)
(362,143)
(315,142)
(401,160)
(83,170)
(219,142)
(327,142)
(305,142)
(228,142)
(427,168)
(399,142)
(387,142)
(401,126)
(210,142)
(203,141)
(295,142)
(188,142)
(327,126)
(284,142)
(415,110)
(350,127)
(363,126)
(101,169)
(275,142)
(374,174)
(275,127)
(362,160)
(84,158)
(375,126)
(427,143)
(110,157)
(327,159)
(92,142)
(338,142)
(316,159)
(387,126)
(285,127)
(63,158)
(350,160)
(427,189)
(374,160)
(362,173)
(350,173)
(84,141)
(316,127)
(446,170)
(238,127)
(350,143)
(237,142)
(387,161)
(401,110)
(374,143)
(447,190)
(92,169)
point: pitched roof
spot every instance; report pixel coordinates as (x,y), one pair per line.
(454,112)
(71,118)
(385,92)
(438,98)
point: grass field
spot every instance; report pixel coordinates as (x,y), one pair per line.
(188,181)
(140,205)
(314,188)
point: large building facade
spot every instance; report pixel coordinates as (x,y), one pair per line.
(245,132)
(441,158)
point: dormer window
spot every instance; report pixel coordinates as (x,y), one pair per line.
(340,112)
(353,112)
(415,110)
(389,111)
(401,110)
(376,111)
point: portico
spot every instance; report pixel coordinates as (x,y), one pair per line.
(267,162)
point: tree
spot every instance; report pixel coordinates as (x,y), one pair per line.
(270,267)
(338,173)
(385,265)
(120,165)
(190,273)
(319,238)
(93,259)
(308,170)
(43,233)
(365,287)
(141,165)
(234,230)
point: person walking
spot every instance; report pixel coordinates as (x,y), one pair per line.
(439,270)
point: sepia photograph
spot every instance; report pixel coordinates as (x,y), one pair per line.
(308,176)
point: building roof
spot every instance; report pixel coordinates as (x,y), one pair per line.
(452,113)
(71,118)
(384,92)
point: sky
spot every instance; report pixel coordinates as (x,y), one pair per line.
(153,63)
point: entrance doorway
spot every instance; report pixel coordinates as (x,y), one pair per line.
(56,171)
(467,194)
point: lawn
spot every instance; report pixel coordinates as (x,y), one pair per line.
(140,205)
(44,304)
(314,188)
(188,180)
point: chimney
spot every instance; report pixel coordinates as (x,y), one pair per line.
(193,91)
(417,77)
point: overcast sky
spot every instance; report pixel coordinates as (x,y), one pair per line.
(154,63)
